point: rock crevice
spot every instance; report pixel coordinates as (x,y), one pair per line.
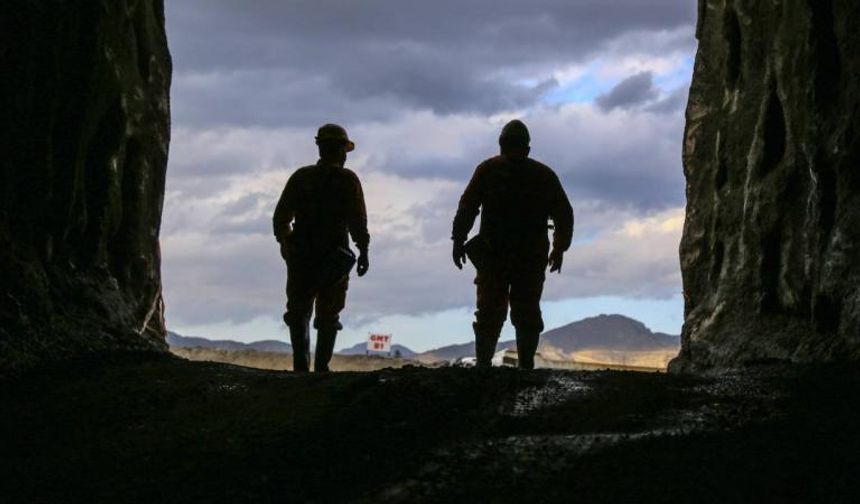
(85,131)
(770,255)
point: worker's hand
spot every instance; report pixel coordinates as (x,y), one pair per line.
(363,264)
(556,257)
(459,254)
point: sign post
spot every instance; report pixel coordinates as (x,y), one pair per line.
(379,343)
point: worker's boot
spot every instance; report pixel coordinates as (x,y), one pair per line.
(527,343)
(485,345)
(324,349)
(300,339)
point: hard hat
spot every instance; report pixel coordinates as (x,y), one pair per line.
(515,129)
(334,132)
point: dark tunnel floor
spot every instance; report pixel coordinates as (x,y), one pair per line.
(145,428)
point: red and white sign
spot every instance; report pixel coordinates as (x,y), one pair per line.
(379,343)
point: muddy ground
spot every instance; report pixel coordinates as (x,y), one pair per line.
(147,428)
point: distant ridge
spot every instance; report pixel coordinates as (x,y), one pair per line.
(603,336)
(274,346)
(361,349)
(452,352)
(604,333)
(607,332)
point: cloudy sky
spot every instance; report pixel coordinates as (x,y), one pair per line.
(423,89)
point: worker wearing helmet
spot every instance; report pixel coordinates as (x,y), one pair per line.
(319,208)
(516,196)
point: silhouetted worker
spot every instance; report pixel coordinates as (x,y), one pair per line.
(516,196)
(320,205)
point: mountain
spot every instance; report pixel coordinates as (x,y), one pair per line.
(603,337)
(273,346)
(176,340)
(616,334)
(452,352)
(607,332)
(361,349)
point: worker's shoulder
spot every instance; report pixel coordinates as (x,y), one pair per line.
(490,164)
(542,173)
(539,167)
(301,173)
(349,174)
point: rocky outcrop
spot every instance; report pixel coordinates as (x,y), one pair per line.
(85,131)
(770,255)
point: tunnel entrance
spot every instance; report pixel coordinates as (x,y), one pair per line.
(424,112)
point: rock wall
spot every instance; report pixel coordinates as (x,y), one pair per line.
(85,132)
(770,255)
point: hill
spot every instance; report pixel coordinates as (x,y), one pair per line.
(274,346)
(613,339)
(452,352)
(604,338)
(607,332)
(361,349)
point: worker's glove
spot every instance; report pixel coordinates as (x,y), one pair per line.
(459,254)
(556,257)
(362,264)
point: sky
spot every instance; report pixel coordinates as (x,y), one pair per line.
(423,89)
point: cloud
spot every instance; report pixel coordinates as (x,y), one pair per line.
(631,92)
(302,62)
(228,33)
(627,158)
(212,278)
(615,166)
(675,102)
(223,272)
(222,263)
(638,257)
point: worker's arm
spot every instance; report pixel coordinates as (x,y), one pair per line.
(561,214)
(284,212)
(358,227)
(467,212)
(469,207)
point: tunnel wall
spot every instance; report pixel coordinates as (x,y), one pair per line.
(769,255)
(85,133)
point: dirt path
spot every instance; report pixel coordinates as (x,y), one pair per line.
(142,428)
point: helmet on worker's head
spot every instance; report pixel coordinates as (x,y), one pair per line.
(334,133)
(515,132)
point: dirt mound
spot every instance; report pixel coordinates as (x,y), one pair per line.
(658,358)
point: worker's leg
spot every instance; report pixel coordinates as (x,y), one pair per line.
(330,302)
(492,301)
(300,298)
(526,290)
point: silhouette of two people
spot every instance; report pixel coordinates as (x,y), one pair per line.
(322,205)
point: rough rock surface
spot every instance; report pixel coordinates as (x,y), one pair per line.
(85,131)
(770,255)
